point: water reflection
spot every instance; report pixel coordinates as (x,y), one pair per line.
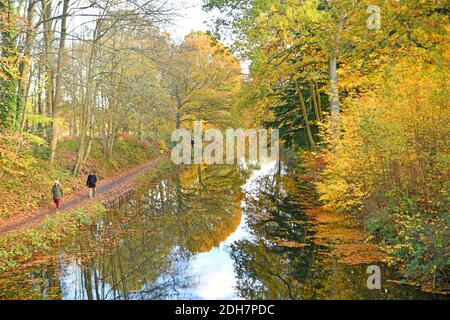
(149,249)
(282,261)
(217,232)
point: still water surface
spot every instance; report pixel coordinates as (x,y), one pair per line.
(218,238)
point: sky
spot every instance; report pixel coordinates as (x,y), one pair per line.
(188,16)
(192,17)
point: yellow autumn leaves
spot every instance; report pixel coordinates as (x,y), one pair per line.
(392,138)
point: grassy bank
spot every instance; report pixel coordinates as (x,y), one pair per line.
(18,247)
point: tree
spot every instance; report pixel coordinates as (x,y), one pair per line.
(290,38)
(8,65)
(57,92)
(111,23)
(202,77)
(25,64)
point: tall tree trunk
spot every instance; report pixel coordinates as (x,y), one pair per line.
(305,116)
(334,89)
(39,106)
(25,66)
(73,121)
(112,137)
(200,175)
(57,95)
(178,120)
(314,101)
(87,105)
(318,99)
(24,110)
(47,39)
(334,84)
(8,87)
(87,152)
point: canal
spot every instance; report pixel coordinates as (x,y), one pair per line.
(239,233)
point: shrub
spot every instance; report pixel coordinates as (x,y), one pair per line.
(392,163)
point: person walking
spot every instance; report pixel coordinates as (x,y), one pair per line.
(92,184)
(57,194)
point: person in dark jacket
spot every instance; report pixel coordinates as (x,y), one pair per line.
(92,184)
(57,194)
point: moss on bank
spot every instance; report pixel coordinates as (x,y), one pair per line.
(17,247)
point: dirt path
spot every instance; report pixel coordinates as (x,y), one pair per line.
(105,189)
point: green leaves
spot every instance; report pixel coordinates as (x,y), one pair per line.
(35,119)
(32,138)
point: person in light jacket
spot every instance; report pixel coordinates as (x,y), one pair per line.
(57,194)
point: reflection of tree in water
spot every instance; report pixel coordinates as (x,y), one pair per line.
(124,258)
(264,268)
(281,260)
(199,214)
(142,250)
(32,282)
(123,275)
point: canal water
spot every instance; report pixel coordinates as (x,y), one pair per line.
(218,232)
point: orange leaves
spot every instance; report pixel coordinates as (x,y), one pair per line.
(345,235)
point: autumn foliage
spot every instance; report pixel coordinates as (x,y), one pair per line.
(370,103)
(392,162)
